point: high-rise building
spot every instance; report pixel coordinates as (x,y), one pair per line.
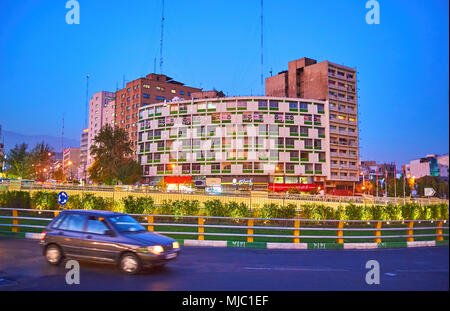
(101,112)
(141,92)
(336,84)
(71,162)
(84,143)
(236,143)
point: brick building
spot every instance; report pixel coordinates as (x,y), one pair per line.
(336,84)
(141,92)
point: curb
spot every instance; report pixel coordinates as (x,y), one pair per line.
(271,245)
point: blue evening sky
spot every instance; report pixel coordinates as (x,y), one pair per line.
(402,62)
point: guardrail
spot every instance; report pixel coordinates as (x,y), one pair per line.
(295,227)
(120,191)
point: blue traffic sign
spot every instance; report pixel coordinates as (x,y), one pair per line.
(62,198)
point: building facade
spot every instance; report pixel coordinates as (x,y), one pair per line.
(101,112)
(84,144)
(431,165)
(336,84)
(141,92)
(71,162)
(371,170)
(236,143)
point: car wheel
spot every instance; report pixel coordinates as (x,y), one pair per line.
(53,255)
(130,263)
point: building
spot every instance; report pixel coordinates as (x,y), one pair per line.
(84,144)
(336,84)
(236,143)
(71,162)
(101,112)
(431,165)
(141,92)
(371,170)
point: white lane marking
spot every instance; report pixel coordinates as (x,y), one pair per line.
(390,274)
(424,270)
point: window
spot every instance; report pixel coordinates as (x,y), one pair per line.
(73,223)
(126,224)
(145,95)
(242,104)
(293,105)
(304,106)
(145,86)
(304,130)
(262,104)
(181,92)
(173,91)
(273,104)
(95,226)
(211,105)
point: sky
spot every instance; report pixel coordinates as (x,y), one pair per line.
(402,63)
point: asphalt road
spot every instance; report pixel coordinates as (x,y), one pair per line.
(22,267)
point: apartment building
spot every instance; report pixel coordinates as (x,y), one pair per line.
(101,112)
(141,92)
(236,143)
(335,84)
(84,144)
(71,162)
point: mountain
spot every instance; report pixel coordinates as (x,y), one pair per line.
(13,138)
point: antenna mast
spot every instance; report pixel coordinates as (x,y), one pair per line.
(262,50)
(161,42)
(62,135)
(87,103)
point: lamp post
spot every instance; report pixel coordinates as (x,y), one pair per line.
(70,165)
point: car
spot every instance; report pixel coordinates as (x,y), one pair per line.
(106,237)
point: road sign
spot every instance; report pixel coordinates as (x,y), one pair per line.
(429,192)
(62,198)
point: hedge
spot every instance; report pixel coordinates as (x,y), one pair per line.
(43,200)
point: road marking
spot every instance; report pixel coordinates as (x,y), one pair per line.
(424,270)
(390,274)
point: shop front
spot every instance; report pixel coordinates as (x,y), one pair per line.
(179,183)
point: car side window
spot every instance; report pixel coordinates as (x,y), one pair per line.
(96,225)
(58,221)
(73,223)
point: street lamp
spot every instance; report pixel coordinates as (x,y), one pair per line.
(70,164)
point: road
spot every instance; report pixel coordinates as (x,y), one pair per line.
(22,267)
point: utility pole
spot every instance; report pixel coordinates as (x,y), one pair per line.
(161,41)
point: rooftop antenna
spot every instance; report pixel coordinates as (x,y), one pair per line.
(161,42)
(87,102)
(262,50)
(154,65)
(62,135)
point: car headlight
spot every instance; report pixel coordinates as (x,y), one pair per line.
(156,249)
(176,244)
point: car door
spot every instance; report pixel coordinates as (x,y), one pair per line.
(99,244)
(69,234)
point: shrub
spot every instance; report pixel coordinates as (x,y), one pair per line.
(376,212)
(15,199)
(165,208)
(354,212)
(410,211)
(310,211)
(393,212)
(189,208)
(444,210)
(287,211)
(214,208)
(43,200)
(424,213)
(92,202)
(269,210)
(324,212)
(339,213)
(74,202)
(140,205)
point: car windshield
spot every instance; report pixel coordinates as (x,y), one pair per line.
(126,224)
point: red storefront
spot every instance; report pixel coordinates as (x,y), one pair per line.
(284,187)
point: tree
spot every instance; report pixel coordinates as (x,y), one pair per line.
(111,151)
(19,162)
(41,159)
(439,185)
(129,173)
(58,175)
